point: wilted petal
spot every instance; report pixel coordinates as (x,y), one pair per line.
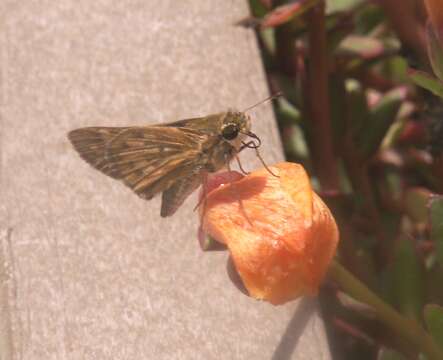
(280,233)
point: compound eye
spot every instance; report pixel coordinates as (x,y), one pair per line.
(230,131)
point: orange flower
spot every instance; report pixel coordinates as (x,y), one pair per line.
(280,233)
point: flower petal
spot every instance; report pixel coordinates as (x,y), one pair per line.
(280,233)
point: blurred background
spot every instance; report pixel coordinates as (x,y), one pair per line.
(361,110)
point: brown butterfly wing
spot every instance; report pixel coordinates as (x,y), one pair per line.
(91,144)
(174,197)
(147,159)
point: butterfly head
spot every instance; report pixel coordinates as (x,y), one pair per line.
(237,124)
(234,125)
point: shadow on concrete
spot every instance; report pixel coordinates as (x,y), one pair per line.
(295,329)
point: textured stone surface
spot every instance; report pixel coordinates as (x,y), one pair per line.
(89,270)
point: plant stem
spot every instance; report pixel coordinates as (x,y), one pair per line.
(319,107)
(403,17)
(409,329)
(437,170)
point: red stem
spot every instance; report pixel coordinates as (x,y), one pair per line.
(318,101)
(407,25)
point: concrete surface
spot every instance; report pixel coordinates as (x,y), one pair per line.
(89,270)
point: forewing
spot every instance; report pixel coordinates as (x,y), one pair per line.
(91,144)
(147,159)
(210,124)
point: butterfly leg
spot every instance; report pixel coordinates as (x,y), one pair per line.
(255,145)
(250,145)
(240,165)
(264,164)
(240,202)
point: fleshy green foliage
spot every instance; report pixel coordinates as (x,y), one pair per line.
(383,112)
(427,82)
(380,118)
(436,219)
(433,315)
(341,5)
(388,354)
(408,283)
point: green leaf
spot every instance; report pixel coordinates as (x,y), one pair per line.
(364,47)
(287,112)
(358,105)
(393,185)
(381,116)
(436,219)
(433,315)
(434,276)
(408,279)
(426,81)
(394,133)
(394,68)
(388,354)
(268,38)
(341,5)
(416,204)
(295,145)
(368,18)
(257,8)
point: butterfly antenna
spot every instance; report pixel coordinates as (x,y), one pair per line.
(269,98)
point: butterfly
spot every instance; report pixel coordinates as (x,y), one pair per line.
(172,158)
